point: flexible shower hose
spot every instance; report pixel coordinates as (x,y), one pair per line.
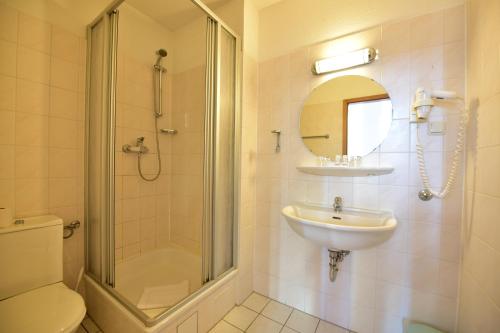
(464,118)
(157,154)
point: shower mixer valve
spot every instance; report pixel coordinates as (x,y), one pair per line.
(139,147)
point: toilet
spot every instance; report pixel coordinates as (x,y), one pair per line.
(33,297)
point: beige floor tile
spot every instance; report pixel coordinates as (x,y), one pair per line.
(256,302)
(277,311)
(325,327)
(240,317)
(223,327)
(264,325)
(288,330)
(302,322)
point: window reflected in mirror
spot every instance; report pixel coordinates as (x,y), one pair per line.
(367,122)
(348,115)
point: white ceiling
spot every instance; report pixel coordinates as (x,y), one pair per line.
(173,14)
(170,13)
(260,4)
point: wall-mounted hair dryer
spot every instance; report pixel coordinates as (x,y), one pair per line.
(423,101)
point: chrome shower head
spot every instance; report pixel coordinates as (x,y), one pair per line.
(162,53)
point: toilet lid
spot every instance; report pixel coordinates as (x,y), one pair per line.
(49,309)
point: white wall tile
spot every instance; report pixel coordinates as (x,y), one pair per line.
(8,23)
(7,93)
(7,167)
(33,97)
(477,298)
(375,288)
(33,65)
(8,58)
(427,30)
(7,127)
(365,196)
(34,33)
(45,179)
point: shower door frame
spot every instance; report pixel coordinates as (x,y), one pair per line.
(108,103)
(106,278)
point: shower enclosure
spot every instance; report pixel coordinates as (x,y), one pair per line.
(161,139)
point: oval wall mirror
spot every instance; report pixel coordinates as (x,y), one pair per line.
(348,115)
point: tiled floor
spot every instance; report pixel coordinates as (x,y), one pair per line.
(259,314)
(88,326)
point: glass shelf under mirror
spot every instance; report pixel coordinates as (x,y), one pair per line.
(345,171)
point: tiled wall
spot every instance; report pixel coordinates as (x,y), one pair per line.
(188,118)
(142,207)
(42,83)
(480,292)
(167,211)
(187,158)
(248,158)
(413,275)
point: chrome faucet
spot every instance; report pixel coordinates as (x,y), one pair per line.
(337,204)
(139,147)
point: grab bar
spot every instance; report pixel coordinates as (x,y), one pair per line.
(324,136)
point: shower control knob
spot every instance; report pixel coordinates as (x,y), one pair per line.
(139,149)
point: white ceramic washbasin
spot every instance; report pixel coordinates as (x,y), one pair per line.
(350,229)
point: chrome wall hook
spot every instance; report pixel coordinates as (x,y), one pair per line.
(278,135)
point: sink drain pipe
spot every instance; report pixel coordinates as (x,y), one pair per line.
(336,257)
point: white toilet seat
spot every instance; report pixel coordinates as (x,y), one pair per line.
(49,309)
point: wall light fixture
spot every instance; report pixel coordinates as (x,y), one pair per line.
(344,61)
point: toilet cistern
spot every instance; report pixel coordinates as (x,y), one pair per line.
(33,297)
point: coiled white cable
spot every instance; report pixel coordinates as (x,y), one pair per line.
(455,160)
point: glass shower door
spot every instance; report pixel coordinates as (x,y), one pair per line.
(99,157)
(224,171)
(159,179)
(161,148)
(93,160)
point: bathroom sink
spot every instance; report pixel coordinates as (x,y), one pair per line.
(350,229)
